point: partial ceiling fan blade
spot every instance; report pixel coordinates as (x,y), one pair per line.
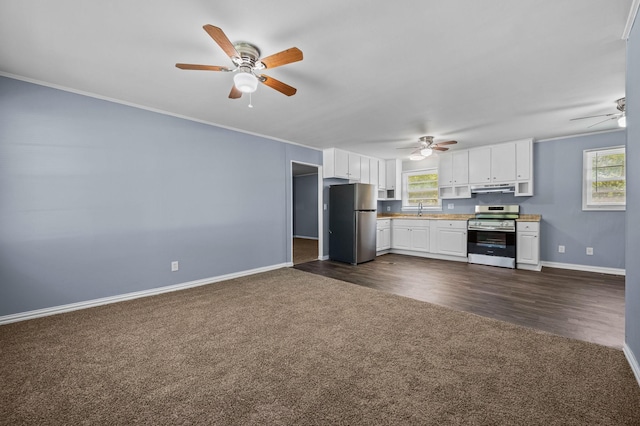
(600,122)
(202,67)
(278,85)
(438,148)
(282,58)
(594,116)
(223,41)
(446,143)
(235,93)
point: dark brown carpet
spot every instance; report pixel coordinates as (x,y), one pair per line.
(287,347)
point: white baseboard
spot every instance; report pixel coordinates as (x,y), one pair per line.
(22,316)
(633,362)
(586,268)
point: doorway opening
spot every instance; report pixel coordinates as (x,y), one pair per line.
(306,216)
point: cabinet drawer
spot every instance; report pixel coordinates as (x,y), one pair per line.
(452,224)
(528,226)
(384,223)
(411,223)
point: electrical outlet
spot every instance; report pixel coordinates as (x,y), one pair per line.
(560,249)
(450,206)
(174,266)
(388,208)
(590,251)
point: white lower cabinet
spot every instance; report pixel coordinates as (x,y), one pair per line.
(410,234)
(451,237)
(528,245)
(383,235)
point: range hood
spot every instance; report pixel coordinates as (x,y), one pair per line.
(488,189)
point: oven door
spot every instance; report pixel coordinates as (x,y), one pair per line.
(491,243)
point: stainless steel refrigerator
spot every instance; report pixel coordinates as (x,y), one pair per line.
(352,222)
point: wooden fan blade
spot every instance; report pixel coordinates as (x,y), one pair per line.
(278,85)
(235,93)
(220,37)
(202,67)
(446,143)
(282,58)
(439,148)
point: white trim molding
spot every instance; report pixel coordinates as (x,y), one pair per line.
(586,268)
(633,362)
(633,12)
(23,316)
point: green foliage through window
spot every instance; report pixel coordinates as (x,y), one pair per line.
(421,187)
(604,180)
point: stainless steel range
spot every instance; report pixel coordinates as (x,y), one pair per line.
(491,235)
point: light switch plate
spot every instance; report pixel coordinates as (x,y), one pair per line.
(589,251)
(174,266)
(450,206)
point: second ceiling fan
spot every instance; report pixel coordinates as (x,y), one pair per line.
(426,148)
(247,64)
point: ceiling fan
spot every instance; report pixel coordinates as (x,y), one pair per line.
(426,148)
(248,64)
(620,116)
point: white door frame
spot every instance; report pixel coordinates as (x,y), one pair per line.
(320,208)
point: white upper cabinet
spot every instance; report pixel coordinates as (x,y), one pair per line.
(524,161)
(493,164)
(365,170)
(355,168)
(480,165)
(503,163)
(382,174)
(341,164)
(453,175)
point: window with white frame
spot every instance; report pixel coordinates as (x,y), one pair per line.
(420,186)
(603,182)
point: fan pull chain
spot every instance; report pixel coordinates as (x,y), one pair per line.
(250,105)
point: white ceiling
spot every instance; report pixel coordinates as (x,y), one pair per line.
(376,75)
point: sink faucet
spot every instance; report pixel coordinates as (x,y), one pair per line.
(420,208)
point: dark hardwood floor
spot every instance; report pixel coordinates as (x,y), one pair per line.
(581,305)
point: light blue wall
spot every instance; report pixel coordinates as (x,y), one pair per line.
(632,296)
(97,198)
(558,198)
(305,206)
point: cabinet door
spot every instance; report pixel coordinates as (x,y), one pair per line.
(382,174)
(445,170)
(378,239)
(528,248)
(401,238)
(341,163)
(503,163)
(460,167)
(480,165)
(365,170)
(523,160)
(373,171)
(354,166)
(386,238)
(452,242)
(420,239)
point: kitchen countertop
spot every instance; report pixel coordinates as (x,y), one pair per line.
(451,216)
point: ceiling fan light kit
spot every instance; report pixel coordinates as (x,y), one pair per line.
(245,82)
